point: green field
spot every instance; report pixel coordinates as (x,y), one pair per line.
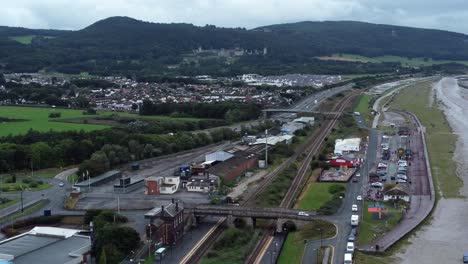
(439,138)
(37,118)
(316,195)
(415,62)
(371,227)
(27,39)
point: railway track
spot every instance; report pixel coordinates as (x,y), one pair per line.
(311,147)
(288,200)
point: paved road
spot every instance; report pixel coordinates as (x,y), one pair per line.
(63,176)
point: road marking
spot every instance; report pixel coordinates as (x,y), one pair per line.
(259,258)
(200,243)
(333,253)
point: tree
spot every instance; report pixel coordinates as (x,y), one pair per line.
(42,155)
(123,238)
(148,151)
(2,79)
(103,258)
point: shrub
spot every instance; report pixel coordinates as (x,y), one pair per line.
(55,115)
(335,188)
(27,180)
(33,185)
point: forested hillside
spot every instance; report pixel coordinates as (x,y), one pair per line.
(127,46)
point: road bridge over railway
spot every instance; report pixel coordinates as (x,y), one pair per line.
(251,214)
(296,111)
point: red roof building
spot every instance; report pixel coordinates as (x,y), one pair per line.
(344,161)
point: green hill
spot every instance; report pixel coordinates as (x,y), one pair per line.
(124,45)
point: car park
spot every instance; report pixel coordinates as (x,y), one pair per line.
(354,208)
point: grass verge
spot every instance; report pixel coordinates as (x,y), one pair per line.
(26,211)
(371,227)
(294,246)
(9,203)
(317,195)
(440,140)
(233,246)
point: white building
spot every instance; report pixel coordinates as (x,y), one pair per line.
(170,185)
(274,140)
(46,245)
(399,192)
(307,120)
(198,186)
(343,146)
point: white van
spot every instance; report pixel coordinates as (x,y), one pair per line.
(348,258)
(350,247)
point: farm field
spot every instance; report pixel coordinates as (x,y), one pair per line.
(415,62)
(37,118)
(23,39)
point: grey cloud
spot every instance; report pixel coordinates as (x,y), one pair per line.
(76,14)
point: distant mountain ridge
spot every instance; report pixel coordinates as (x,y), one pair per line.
(123,44)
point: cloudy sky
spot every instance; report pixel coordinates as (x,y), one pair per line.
(75,14)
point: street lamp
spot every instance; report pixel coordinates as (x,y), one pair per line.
(321,233)
(22,190)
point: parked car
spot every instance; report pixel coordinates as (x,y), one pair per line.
(402,168)
(61,184)
(384,179)
(354,208)
(392,178)
(465,258)
(352,237)
(401,181)
(402,177)
(354,231)
(377,184)
(303,214)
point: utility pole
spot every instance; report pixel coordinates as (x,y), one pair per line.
(266,148)
(22,190)
(89,181)
(150,241)
(118,203)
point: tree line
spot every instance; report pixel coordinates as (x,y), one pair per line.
(232,112)
(99,151)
